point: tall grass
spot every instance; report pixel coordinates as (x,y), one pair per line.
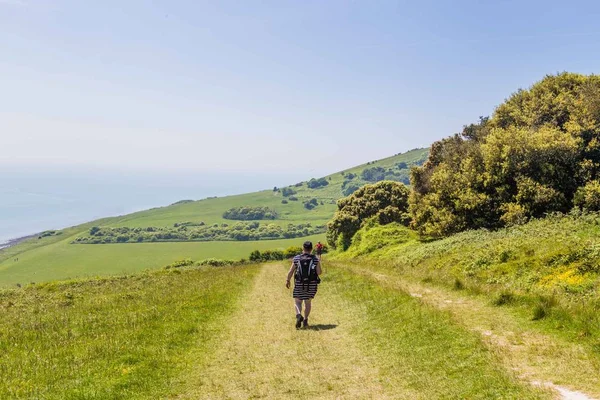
(548,269)
(420,348)
(113,338)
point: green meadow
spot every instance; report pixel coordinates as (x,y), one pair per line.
(65,261)
(191,333)
(55,258)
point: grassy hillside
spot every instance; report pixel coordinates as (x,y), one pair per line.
(547,270)
(117,338)
(54,257)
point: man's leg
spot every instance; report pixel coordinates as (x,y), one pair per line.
(307,307)
(299,318)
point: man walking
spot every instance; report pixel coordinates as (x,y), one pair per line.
(306,269)
(319,250)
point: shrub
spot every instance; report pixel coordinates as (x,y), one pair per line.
(588,197)
(317,183)
(542,309)
(458,285)
(503,298)
(310,204)
(292,251)
(215,262)
(180,263)
(387,201)
(255,256)
(373,174)
(287,192)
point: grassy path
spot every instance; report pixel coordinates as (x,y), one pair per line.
(264,356)
(538,358)
(366,342)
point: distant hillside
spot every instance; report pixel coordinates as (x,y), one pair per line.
(311,201)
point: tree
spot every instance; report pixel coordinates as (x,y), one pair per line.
(286,192)
(373,174)
(387,201)
(310,204)
(528,159)
(317,183)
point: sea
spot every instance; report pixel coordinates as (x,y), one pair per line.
(37,199)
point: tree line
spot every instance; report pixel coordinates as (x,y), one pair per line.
(537,154)
(248,213)
(240,231)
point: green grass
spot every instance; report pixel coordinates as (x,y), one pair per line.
(54,257)
(62,260)
(114,338)
(420,348)
(548,270)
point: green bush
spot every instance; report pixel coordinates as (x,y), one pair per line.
(247,213)
(317,183)
(588,196)
(240,231)
(287,191)
(387,201)
(292,251)
(180,263)
(215,262)
(310,204)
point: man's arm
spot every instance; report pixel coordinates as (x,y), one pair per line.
(319,271)
(289,275)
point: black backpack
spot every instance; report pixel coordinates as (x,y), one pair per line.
(306,269)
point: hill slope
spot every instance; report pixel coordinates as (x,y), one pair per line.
(54,257)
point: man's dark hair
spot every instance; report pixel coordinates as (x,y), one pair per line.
(307,245)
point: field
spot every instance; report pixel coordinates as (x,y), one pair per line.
(184,334)
(63,261)
(54,257)
(117,338)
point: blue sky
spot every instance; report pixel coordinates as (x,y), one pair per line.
(250,85)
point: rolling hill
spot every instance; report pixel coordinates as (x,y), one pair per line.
(55,257)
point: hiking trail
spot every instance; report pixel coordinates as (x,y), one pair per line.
(278,361)
(262,355)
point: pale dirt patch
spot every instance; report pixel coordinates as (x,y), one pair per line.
(262,355)
(565,367)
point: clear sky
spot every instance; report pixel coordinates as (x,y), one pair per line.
(254,85)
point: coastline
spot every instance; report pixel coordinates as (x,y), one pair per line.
(13,242)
